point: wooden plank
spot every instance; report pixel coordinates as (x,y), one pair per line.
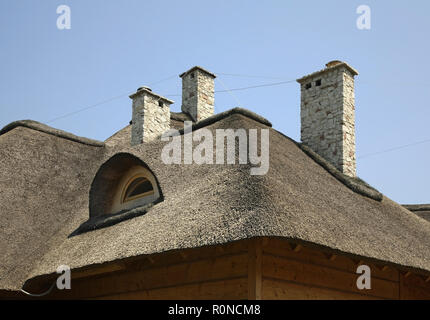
(412,288)
(283,248)
(254,269)
(414,293)
(280,290)
(415,280)
(233,289)
(192,254)
(303,273)
(217,268)
(96,270)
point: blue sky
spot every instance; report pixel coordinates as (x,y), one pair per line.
(113,47)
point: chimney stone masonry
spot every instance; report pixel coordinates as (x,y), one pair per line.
(328,114)
(151,115)
(198,93)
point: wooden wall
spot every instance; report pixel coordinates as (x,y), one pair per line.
(263,268)
(295,272)
(218,272)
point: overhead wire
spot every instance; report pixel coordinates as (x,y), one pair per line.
(393,149)
(104,101)
(169,95)
(230,91)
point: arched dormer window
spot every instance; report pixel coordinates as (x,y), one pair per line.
(123,188)
(138,187)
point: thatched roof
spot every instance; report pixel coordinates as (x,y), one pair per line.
(43,177)
(44,192)
(421,210)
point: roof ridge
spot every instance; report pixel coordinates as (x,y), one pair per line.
(222,115)
(180,116)
(417,207)
(35,125)
(355,184)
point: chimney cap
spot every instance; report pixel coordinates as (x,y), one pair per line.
(197,68)
(329,66)
(333,63)
(144,87)
(147,90)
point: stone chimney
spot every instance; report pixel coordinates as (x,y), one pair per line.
(198,93)
(151,115)
(327,109)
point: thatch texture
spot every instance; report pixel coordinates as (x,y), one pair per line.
(45,184)
(43,179)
